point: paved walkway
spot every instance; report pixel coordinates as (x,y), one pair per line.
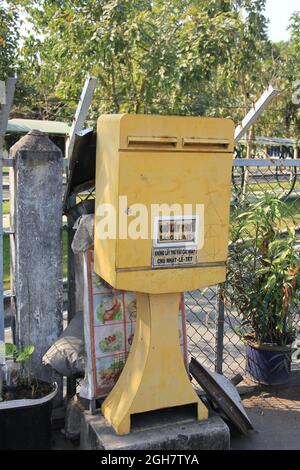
(275,415)
(274,412)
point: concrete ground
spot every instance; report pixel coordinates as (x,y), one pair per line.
(274,412)
(275,415)
(60,442)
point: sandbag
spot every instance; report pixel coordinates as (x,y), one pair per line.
(67,355)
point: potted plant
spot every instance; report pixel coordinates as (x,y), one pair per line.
(25,403)
(264,286)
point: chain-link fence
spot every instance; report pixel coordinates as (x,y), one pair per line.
(213,322)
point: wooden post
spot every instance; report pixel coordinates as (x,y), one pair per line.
(38,263)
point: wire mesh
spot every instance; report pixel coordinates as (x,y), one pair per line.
(251,181)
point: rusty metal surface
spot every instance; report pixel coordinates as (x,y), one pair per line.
(223,394)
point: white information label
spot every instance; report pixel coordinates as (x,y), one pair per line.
(174,257)
(175,241)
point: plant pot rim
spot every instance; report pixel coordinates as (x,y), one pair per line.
(268,346)
(25,402)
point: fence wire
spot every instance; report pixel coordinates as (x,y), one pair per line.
(212,324)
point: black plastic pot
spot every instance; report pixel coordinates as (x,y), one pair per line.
(267,364)
(26,424)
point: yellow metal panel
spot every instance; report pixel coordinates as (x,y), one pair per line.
(107,192)
(163,160)
(154,376)
(170,280)
(181,127)
(160,160)
(178,178)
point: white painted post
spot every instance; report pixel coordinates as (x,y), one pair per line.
(6,104)
(81,112)
(69,201)
(254,113)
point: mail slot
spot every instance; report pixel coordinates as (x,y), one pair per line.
(163,163)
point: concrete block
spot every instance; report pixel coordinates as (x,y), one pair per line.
(212,434)
(38,261)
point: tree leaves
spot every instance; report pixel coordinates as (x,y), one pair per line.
(9,36)
(177,57)
(163,57)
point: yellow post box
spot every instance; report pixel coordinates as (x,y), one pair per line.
(163,188)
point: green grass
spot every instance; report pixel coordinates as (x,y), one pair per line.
(6,264)
(65,252)
(5,207)
(291,218)
(271,187)
(293,212)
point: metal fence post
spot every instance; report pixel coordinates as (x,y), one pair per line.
(71,383)
(220,331)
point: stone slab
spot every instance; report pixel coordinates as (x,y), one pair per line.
(211,434)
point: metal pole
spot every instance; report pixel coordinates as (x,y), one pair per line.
(4,115)
(81,113)
(70,201)
(220,331)
(71,383)
(254,113)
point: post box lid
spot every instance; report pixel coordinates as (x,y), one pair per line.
(170,133)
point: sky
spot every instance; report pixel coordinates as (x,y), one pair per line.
(279,13)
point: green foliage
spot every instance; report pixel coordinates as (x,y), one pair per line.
(23,356)
(171,57)
(8,39)
(10,349)
(264,272)
(21,376)
(196,57)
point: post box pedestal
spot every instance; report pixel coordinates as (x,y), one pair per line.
(154,376)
